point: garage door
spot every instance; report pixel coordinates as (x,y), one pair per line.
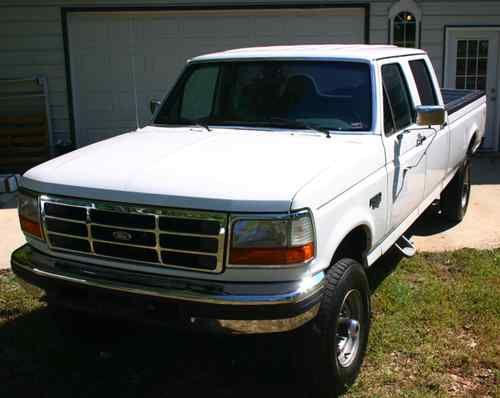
(119,61)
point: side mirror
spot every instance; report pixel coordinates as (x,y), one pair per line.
(153,104)
(431,115)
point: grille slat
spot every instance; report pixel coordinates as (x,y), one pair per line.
(68,212)
(122,219)
(189,226)
(157,236)
(66,219)
(188,259)
(129,252)
(73,244)
(66,227)
(190,243)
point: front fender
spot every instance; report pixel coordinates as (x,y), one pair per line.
(333,236)
(336,219)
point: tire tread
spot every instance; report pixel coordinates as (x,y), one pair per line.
(451,197)
(317,336)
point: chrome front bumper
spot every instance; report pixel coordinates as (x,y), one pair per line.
(233,307)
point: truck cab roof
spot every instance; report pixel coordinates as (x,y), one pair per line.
(357,52)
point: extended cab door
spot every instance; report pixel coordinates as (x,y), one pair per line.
(437,138)
(404,150)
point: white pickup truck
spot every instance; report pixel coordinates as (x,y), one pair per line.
(269,180)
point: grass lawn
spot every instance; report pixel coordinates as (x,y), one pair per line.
(435,332)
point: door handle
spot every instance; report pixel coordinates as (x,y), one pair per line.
(420,139)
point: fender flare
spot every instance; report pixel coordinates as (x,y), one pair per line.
(472,134)
(353,219)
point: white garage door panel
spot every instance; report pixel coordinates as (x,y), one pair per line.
(119,61)
(103,99)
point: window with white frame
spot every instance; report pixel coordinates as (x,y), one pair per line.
(404,22)
(404,30)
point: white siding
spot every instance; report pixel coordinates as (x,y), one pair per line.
(435,15)
(31,44)
(31,36)
(378,22)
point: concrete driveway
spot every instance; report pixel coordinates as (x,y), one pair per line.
(10,234)
(480,229)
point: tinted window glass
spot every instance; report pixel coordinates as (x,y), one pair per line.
(424,82)
(332,95)
(398,95)
(388,120)
(198,93)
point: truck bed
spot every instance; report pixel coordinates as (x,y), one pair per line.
(455,100)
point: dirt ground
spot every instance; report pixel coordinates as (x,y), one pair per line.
(431,233)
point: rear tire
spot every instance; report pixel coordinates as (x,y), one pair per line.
(335,342)
(455,197)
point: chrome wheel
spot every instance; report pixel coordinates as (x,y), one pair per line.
(465,190)
(348,328)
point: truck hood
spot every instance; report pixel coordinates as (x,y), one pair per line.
(224,169)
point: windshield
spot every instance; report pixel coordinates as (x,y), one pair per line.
(293,94)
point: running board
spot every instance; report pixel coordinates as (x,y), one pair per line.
(405,246)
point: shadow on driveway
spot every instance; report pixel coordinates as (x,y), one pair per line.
(431,222)
(45,356)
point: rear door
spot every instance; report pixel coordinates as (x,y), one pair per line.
(437,139)
(404,152)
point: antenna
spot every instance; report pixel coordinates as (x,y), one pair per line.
(134,80)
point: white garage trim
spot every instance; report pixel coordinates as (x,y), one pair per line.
(360,11)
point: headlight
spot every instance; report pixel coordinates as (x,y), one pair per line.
(29,214)
(279,241)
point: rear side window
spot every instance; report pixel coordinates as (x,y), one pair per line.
(398,95)
(424,82)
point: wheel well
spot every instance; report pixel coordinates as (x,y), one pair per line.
(471,144)
(355,245)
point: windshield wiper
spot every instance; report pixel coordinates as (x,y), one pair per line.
(195,123)
(198,123)
(191,122)
(301,125)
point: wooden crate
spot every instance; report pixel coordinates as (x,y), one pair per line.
(24,141)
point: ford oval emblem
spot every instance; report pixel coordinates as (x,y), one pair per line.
(122,236)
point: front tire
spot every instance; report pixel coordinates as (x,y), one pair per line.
(337,339)
(455,197)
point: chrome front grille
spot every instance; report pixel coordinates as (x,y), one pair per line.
(161,236)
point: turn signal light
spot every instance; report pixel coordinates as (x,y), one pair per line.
(30,227)
(272,256)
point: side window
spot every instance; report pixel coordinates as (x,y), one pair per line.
(397,95)
(199,92)
(424,82)
(388,119)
